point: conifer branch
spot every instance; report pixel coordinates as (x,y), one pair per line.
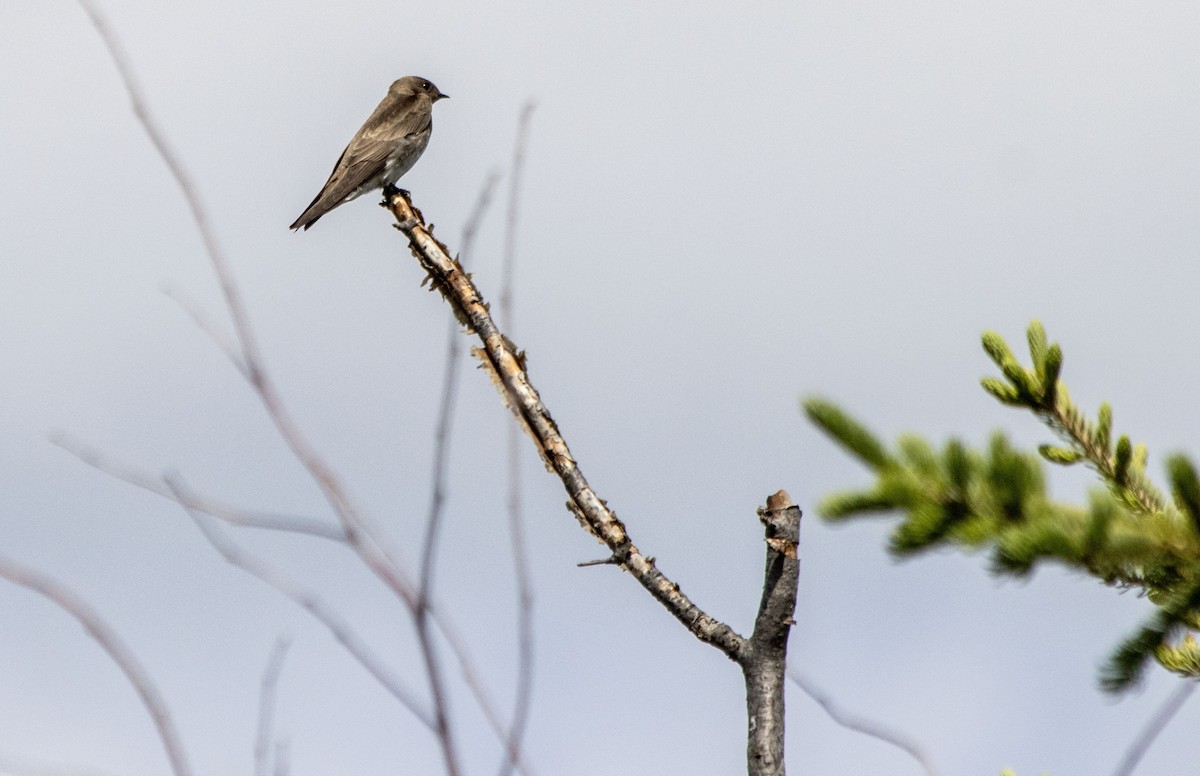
(1040,389)
(1129,534)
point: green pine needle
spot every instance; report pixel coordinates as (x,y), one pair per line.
(1121,461)
(1129,535)
(1126,666)
(997,348)
(1050,372)
(1185,486)
(1183,658)
(1036,336)
(852,435)
(1001,390)
(1104,427)
(1060,455)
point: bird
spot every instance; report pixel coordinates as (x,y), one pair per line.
(383,149)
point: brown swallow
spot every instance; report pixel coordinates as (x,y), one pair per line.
(386,147)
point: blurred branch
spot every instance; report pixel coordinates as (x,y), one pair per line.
(516,520)
(266,707)
(310,601)
(117,650)
(266,520)
(475,685)
(1157,723)
(205,323)
(283,758)
(859,724)
(281,522)
(360,534)
(445,419)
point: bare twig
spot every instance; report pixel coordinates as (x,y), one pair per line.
(116,648)
(437,690)
(509,260)
(1160,720)
(266,707)
(475,685)
(516,519)
(441,452)
(441,439)
(266,520)
(205,323)
(310,601)
(283,758)
(862,725)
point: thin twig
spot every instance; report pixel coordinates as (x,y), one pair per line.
(205,323)
(283,758)
(862,725)
(266,520)
(117,650)
(358,530)
(326,615)
(516,521)
(437,690)
(475,684)
(441,439)
(268,691)
(1157,723)
(441,452)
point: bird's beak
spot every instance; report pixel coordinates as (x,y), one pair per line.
(441,97)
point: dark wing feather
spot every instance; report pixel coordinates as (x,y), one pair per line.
(393,121)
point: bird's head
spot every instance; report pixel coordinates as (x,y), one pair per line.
(416,85)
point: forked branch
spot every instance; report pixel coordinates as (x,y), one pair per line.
(763,655)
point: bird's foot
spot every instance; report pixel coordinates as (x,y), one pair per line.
(390,191)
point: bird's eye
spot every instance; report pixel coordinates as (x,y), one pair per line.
(425,85)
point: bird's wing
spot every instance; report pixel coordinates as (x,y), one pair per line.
(367,153)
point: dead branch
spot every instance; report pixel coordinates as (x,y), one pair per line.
(862,725)
(523,696)
(268,690)
(473,681)
(115,646)
(1154,726)
(310,601)
(763,655)
(507,366)
(271,521)
(441,438)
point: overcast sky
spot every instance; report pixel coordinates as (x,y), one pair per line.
(726,207)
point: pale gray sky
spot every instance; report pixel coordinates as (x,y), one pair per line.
(727,207)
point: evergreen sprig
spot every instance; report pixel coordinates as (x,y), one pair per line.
(1129,535)
(1039,389)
